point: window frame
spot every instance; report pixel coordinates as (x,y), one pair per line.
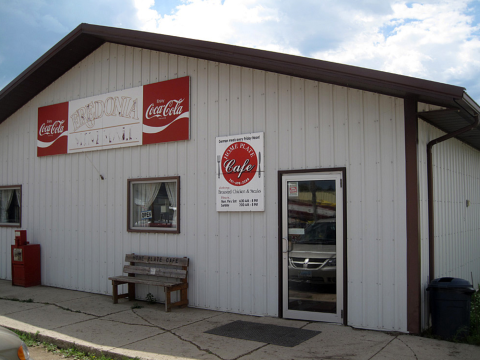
(14,187)
(130,183)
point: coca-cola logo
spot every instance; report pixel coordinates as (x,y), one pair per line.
(53,128)
(162,109)
(239,163)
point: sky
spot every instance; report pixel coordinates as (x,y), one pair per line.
(437,40)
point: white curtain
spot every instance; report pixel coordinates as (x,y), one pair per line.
(172,198)
(172,193)
(144,194)
(19,199)
(5,201)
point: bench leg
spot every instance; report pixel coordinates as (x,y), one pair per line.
(131,292)
(115,292)
(184,297)
(167,300)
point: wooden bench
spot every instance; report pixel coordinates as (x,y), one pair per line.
(169,272)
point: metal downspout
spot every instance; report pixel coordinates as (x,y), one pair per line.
(431,223)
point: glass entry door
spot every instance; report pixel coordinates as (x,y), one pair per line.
(312,246)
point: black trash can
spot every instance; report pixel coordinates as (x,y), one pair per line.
(450,307)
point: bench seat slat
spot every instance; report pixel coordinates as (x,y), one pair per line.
(145,270)
(135,280)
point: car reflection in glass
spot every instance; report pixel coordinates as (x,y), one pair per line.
(312,256)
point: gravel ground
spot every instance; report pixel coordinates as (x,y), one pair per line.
(40,353)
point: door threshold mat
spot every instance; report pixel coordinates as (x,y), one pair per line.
(266,333)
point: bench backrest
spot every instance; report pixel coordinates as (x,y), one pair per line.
(163,266)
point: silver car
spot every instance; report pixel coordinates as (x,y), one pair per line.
(11,347)
(312,256)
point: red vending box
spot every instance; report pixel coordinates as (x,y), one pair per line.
(25,261)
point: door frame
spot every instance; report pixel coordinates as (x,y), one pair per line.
(281,199)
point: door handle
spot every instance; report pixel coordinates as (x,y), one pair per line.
(284,245)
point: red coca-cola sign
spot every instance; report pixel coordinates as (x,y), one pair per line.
(52,138)
(239,164)
(166,109)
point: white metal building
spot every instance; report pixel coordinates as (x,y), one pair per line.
(344,157)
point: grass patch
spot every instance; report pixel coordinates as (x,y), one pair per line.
(72,352)
(18,300)
(474,337)
(28,339)
(150,298)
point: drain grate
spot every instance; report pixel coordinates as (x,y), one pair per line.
(266,333)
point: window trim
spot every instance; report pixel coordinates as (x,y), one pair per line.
(16,187)
(130,182)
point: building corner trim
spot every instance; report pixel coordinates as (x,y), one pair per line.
(412,217)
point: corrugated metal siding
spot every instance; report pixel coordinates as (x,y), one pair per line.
(456,176)
(80,220)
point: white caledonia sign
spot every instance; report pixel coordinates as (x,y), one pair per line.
(240,172)
(148,114)
(106,121)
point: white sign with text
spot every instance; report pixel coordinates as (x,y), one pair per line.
(240,172)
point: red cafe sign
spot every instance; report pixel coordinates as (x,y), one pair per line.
(143,115)
(239,163)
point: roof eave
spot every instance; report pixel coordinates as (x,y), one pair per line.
(318,70)
(86,38)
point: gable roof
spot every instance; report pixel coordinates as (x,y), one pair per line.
(86,38)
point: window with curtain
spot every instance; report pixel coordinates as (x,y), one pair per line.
(10,205)
(153,205)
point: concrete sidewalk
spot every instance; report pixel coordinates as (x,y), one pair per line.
(95,324)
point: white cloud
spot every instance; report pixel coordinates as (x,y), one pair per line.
(147,16)
(225,21)
(431,39)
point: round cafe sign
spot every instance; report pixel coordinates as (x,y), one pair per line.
(239,163)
